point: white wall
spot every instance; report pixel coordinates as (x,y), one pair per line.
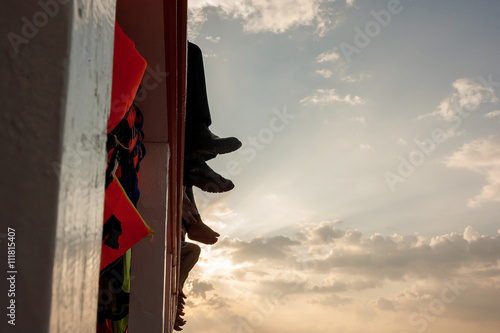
(55,92)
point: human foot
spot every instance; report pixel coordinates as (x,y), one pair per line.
(202,233)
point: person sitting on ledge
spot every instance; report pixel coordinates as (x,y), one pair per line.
(192,223)
(189,257)
(200,143)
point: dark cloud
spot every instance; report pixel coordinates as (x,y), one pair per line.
(200,288)
(477,302)
(459,297)
(399,257)
(359,263)
(385,304)
(218,303)
(333,301)
(329,266)
(273,248)
(281,287)
(336,286)
(246,273)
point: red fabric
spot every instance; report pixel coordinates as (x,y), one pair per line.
(133,226)
(128,69)
(131,124)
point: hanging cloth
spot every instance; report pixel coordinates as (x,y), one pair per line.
(128,69)
(123,225)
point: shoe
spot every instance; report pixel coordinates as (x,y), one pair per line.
(202,141)
(198,173)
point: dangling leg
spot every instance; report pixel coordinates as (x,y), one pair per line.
(199,139)
(197,110)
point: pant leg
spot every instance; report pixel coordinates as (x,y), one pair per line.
(197,110)
(189,257)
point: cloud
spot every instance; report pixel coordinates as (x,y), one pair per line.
(492,114)
(330,56)
(267,16)
(213,39)
(215,212)
(385,304)
(346,260)
(359,119)
(478,155)
(395,277)
(326,249)
(339,65)
(257,249)
(218,302)
(325,73)
(334,301)
(352,78)
(469,95)
(324,96)
(481,156)
(395,257)
(200,288)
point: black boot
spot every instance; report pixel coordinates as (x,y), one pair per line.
(199,140)
(198,173)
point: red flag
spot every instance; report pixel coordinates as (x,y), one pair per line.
(128,69)
(123,225)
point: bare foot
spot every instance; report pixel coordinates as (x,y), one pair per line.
(202,233)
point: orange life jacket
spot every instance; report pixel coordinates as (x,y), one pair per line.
(128,69)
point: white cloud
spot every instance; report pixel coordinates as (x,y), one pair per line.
(492,114)
(469,95)
(478,155)
(324,96)
(325,73)
(261,15)
(213,39)
(330,56)
(482,156)
(209,54)
(352,78)
(339,66)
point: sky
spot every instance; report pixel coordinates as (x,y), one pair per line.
(367,189)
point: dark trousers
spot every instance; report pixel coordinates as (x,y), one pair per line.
(197,110)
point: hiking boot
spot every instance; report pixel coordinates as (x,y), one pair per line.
(202,141)
(198,173)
